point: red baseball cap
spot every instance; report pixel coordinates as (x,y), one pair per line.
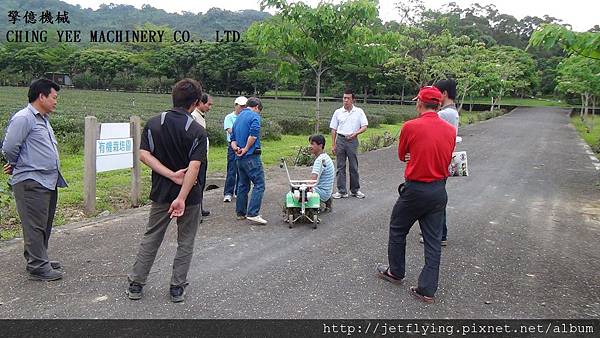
(429,94)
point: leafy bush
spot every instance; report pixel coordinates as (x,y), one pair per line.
(216,135)
(377,141)
(127,83)
(296,125)
(71,143)
(270,130)
(158,85)
(304,157)
(85,81)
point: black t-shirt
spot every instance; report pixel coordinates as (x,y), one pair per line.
(174,139)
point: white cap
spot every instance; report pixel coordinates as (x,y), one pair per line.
(241,100)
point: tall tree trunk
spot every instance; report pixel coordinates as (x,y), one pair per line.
(593,110)
(318,98)
(366,92)
(492,108)
(402,98)
(587,101)
(276,88)
(581,110)
(462,99)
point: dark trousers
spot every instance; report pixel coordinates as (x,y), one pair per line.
(159,220)
(36,206)
(345,149)
(231,179)
(202,184)
(426,203)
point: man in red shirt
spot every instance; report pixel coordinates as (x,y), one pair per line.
(426,143)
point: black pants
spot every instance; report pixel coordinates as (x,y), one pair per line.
(426,203)
(36,206)
(202,184)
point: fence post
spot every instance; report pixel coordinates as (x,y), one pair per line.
(136,134)
(89,174)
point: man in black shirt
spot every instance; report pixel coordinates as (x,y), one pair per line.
(175,148)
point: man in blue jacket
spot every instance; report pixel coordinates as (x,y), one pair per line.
(245,142)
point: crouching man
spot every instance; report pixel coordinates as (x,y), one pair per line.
(323,170)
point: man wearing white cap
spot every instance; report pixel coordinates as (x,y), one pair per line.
(231,179)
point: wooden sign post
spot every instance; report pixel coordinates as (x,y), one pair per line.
(110,146)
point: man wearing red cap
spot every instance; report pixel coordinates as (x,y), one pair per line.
(430,141)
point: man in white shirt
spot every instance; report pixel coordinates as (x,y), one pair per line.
(231,179)
(199,115)
(346,124)
(449,114)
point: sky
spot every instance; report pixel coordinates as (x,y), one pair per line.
(580,14)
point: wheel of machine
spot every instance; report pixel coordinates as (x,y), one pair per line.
(291,220)
(315,221)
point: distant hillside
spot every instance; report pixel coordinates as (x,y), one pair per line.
(124,17)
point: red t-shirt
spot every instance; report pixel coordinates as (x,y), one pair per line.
(430,142)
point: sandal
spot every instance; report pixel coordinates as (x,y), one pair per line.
(383,272)
(425,299)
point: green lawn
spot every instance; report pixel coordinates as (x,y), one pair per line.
(113,187)
(511,101)
(589,130)
(528,102)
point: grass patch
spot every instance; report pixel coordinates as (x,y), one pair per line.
(525,102)
(113,187)
(589,129)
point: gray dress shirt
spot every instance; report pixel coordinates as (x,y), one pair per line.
(31,149)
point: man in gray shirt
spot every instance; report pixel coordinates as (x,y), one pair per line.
(31,150)
(448,111)
(449,114)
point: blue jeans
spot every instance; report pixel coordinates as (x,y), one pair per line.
(231,179)
(250,169)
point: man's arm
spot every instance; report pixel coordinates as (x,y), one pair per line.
(358,132)
(333,139)
(16,134)
(148,159)
(249,144)
(177,207)
(403,145)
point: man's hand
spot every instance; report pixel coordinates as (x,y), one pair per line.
(333,149)
(407,157)
(8,169)
(178,176)
(177,208)
(351,136)
(241,152)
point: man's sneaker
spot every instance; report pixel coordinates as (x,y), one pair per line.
(177,293)
(48,276)
(55,265)
(134,291)
(358,194)
(227,198)
(339,195)
(257,219)
(240,217)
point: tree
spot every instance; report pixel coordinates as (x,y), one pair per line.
(586,44)
(410,11)
(362,59)
(581,76)
(311,35)
(104,63)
